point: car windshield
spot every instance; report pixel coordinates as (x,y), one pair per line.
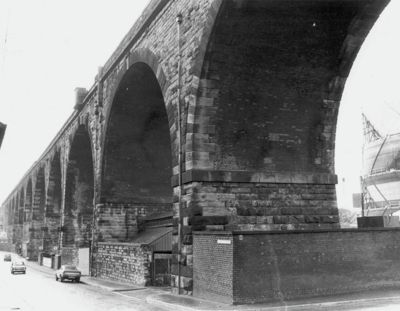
(70,268)
(19,263)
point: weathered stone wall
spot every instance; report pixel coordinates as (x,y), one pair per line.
(260,91)
(69,255)
(35,238)
(124,262)
(270,266)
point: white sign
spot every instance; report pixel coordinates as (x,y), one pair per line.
(47,262)
(224,241)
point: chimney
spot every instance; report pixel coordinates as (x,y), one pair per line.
(80,94)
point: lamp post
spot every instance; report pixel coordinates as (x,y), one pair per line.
(179,20)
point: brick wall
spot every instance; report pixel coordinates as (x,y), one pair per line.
(213,267)
(279,266)
(123,262)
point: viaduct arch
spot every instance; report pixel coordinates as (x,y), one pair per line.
(249,70)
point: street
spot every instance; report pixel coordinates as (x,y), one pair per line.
(38,291)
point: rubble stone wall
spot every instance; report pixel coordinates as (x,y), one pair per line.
(124,262)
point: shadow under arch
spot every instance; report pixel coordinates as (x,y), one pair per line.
(77,218)
(137,160)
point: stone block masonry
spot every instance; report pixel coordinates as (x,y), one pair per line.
(260,88)
(256,267)
(240,204)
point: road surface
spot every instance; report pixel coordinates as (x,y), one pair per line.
(36,291)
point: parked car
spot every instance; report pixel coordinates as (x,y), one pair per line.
(18,266)
(68,272)
(7,257)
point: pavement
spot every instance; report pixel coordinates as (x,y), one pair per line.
(163,298)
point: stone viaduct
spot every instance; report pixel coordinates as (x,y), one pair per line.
(258,84)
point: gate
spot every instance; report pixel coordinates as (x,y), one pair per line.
(161,269)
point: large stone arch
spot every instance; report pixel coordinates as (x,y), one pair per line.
(78,210)
(136,160)
(254,85)
(53,204)
(261,123)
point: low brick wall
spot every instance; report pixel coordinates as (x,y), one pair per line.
(124,262)
(275,266)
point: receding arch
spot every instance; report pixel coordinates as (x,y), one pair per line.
(15,209)
(26,232)
(79,191)
(53,204)
(28,201)
(38,209)
(39,196)
(21,203)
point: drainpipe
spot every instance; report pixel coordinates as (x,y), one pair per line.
(179,22)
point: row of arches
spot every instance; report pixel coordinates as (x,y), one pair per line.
(54,209)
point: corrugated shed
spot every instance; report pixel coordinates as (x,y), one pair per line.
(159,239)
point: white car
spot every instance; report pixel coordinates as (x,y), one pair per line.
(18,265)
(68,272)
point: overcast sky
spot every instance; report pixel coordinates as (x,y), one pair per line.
(373,88)
(49,47)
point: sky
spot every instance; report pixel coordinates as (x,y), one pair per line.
(47,49)
(373,89)
(50,47)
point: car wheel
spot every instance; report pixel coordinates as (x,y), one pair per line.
(61,279)
(78,280)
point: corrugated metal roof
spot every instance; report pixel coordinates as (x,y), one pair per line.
(159,239)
